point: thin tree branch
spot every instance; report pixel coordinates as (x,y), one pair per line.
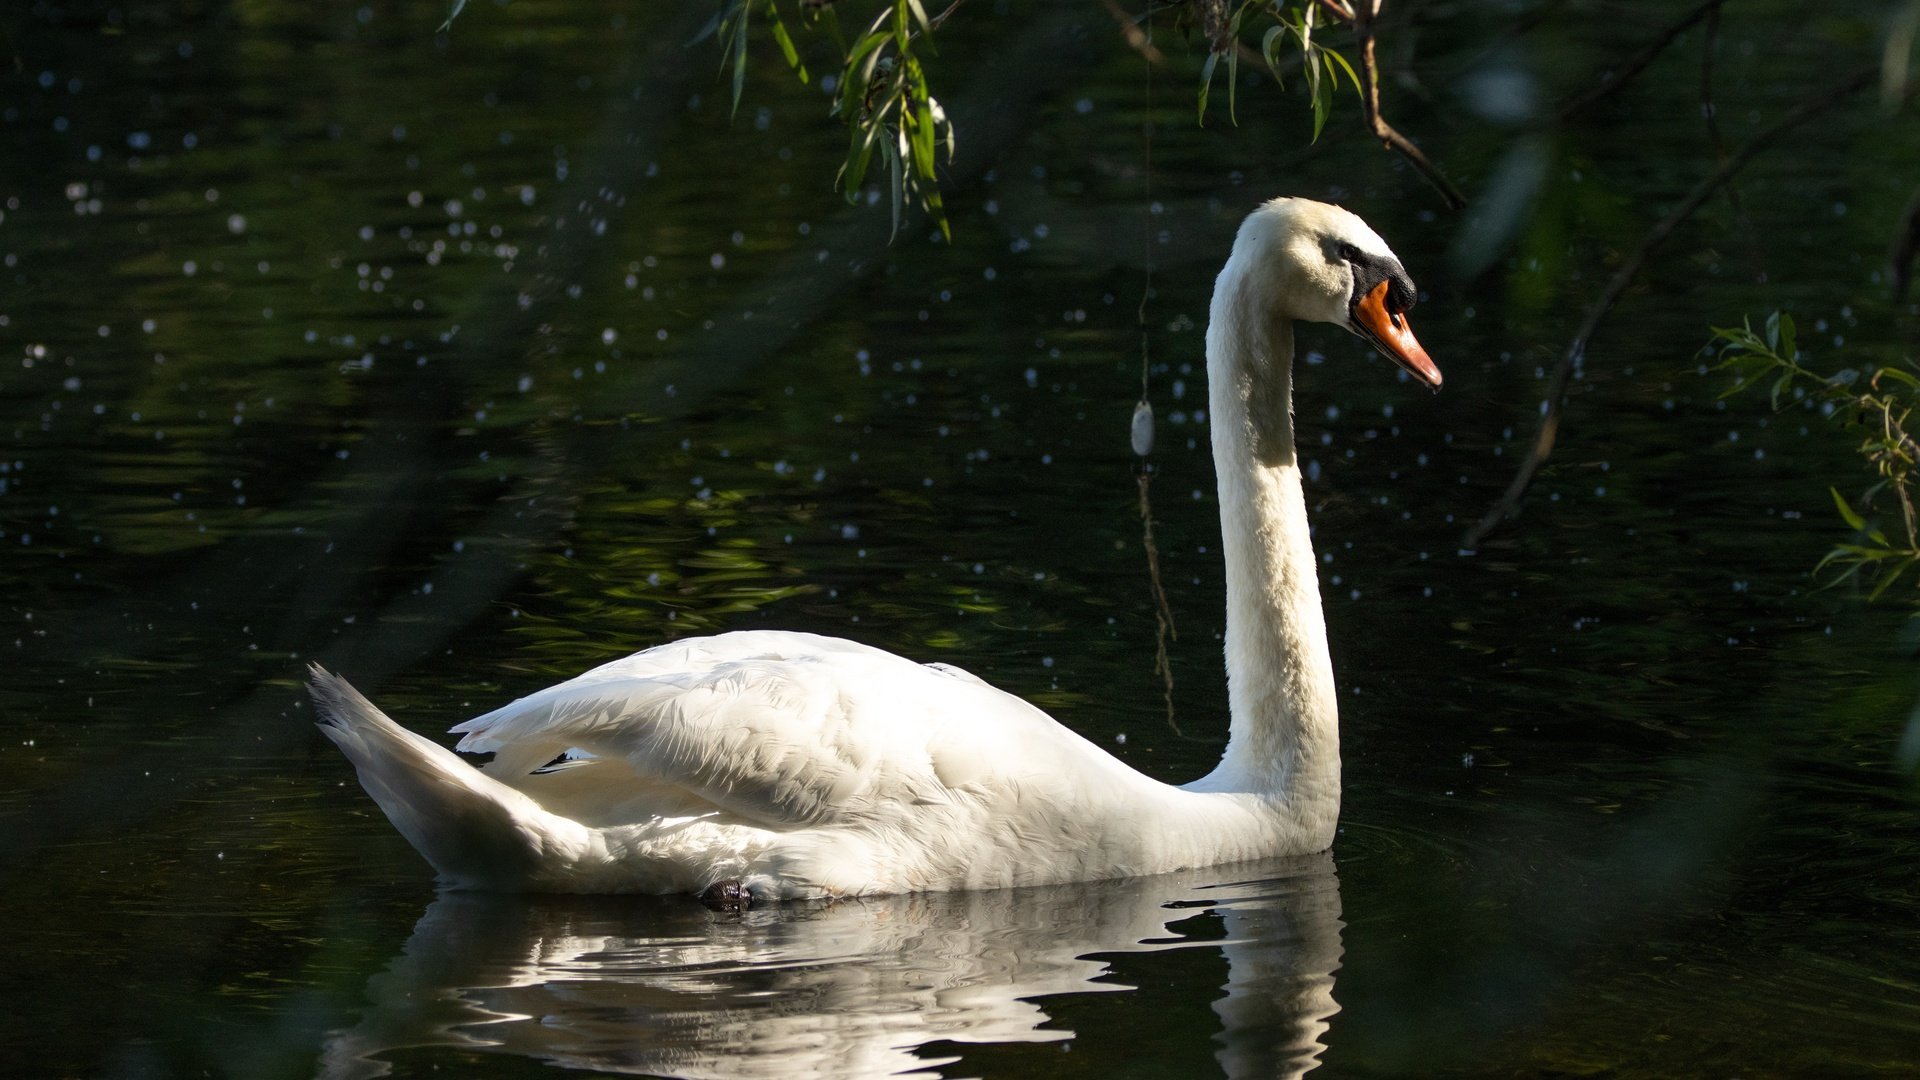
(1362,15)
(1135,37)
(1639,61)
(940,20)
(1710,113)
(1162,611)
(1509,501)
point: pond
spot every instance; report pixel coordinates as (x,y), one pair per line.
(462,361)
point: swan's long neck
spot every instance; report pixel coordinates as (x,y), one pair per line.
(1285,742)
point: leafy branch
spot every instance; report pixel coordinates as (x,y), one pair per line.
(1362,13)
(1878,405)
(1222,21)
(1297,21)
(882,93)
(1548,433)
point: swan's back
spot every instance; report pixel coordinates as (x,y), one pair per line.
(782,732)
(803,765)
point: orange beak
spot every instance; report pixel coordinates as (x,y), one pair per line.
(1389,332)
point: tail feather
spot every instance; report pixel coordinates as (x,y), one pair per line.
(476,831)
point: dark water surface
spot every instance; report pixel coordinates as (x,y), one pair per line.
(463,363)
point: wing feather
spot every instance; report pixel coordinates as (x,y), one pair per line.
(782,729)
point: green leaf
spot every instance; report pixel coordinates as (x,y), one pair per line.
(1270,53)
(1233,85)
(920,16)
(712,27)
(739,55)
(1322,102)
(1779,387)
(1789,349)
(1206,84)
(1854,521)
(923,143)
(1836,556)
(857,77)
(1882,548)
(858,155)
(917,128)
(1740,382)
(1352,75)
(1832,558)
(897,182)
(873,40)
(1889,577)
(1233,61)
(1739,339)
(785,41)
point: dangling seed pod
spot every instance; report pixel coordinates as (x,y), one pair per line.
(1142,432)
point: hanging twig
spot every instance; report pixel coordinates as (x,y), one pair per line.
(1162,614)
(1142,433)
(1623,276)
(1361,14)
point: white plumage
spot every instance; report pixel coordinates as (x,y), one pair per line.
(803,766)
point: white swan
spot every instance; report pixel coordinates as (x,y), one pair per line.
(765,764)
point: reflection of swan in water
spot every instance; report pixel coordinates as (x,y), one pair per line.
(850,989)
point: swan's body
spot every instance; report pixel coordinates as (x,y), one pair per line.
(795,765)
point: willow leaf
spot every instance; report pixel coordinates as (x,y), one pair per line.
(1854,520)
(1206,84)
(785,41)
(1334,57)
(739,56)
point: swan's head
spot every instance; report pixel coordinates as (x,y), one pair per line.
(1328,266)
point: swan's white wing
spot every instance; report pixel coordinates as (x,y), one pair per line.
(787,729)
